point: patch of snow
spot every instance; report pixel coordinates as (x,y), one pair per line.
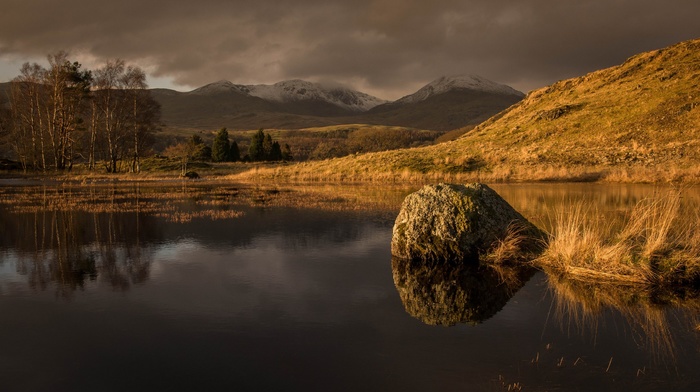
(300,90)
(448,83)
(297,90)
(222,86)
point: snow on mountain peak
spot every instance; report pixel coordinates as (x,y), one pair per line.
(468,82)
(298,90)
(222,86)
(301,90)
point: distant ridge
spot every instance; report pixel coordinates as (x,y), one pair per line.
(297,90)
(444,104)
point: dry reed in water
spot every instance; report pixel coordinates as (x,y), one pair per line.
(654,245)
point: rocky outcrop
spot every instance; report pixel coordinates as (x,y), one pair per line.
(457,222)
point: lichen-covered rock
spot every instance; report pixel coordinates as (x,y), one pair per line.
(450,221)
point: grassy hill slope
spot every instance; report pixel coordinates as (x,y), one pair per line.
(639,121)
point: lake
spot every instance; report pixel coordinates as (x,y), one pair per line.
(208,286)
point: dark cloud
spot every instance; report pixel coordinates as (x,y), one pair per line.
(385,47)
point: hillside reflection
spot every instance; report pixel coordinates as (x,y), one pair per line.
(447,293)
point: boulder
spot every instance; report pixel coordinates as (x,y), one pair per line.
(458,222)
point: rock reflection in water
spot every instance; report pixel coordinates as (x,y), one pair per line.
(449,293)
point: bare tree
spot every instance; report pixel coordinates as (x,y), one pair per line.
(110,106)
(27,102)
(47,106)
(183,152)
(5,121)
(144,113)
(124,112)
(68,90)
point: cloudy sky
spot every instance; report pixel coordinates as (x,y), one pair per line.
(388,48)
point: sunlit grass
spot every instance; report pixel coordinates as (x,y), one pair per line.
(656,244)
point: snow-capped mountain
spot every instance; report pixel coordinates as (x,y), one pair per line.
(298,90)
(458,82)
(222,86)
(444,104)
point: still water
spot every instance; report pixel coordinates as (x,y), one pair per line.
(221,287)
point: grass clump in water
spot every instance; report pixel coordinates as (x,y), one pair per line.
(658,243)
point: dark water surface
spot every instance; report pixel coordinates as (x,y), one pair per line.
(225,288)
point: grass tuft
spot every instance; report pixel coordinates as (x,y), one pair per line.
(654,245)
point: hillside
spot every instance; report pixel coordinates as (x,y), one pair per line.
(445,111)
(639,121)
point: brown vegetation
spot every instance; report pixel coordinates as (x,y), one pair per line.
(657,244)
(637,122)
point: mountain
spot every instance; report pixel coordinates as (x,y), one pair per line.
(287,104)
(444,104)
(456,83)
(299,90)
(447,103)
(638,121)
(294,91)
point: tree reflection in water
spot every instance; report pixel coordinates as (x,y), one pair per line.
(449,293)
(70,248)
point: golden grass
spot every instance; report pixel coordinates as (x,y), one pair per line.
(509,248)
(655,245)
(381,168)
(183,201)
(636,122)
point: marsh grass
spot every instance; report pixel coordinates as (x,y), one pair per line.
(510,247)
(656,244)
(181,202)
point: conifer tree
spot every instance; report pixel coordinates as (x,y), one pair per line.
(267,148)
(256,151)
(221,148)
(275,152)
(234,153)
(287,153)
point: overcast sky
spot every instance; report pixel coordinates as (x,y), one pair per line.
(388,48)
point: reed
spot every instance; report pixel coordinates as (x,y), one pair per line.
(654,245)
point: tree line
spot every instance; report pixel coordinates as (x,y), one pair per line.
(262,148)
(64,113)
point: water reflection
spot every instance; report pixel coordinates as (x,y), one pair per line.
(297,298)
(651,313)
(71,249)
(69,235)
(449,293)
